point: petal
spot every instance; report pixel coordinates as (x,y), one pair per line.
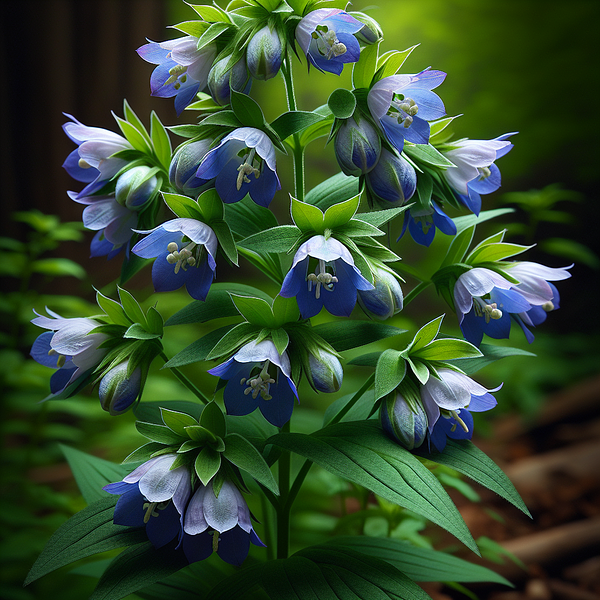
(164,527)
(164,277)
(221,513)
(234,546)
(197,547)
(129,509)
(194,521)
(278,410)
(199,280)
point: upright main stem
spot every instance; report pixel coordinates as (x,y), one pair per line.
(298,150)
(283,508)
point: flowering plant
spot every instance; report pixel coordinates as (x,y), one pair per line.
(183,499)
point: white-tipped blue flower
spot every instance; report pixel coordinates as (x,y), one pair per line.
(68,347)
(386,299)
(243,163)
(258,377)
(423,222)
(452,392)
(118,391)
(92,162)
(357,146)
(185,252)
(475,172)
(264,53)
(402,105)
(220,523)
(136,187)
(182,69)
(221,80)
(326,36)
(333,284)
(393,180)
(325,371)
(183,167)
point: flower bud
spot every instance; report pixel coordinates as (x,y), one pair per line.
(264,54)
(386,299)
(185,163)
(221,80)
(401,422)
(393,181)
(357,146)
(371,32)
(326,371)
(135,187)
(118,392)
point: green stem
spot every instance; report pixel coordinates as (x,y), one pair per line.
(283,509)
(367,384)
(187,382)
(298,149)
(416,291)
(298,483)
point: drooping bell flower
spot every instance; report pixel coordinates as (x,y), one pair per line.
(325,372)
(183,167)
(402,105)
(475,173)
(422,224)
(326,36)
(243,163)
(333,284)
(185,252)
(220,523)
(264,53)
(386,299)
(357,146)
(154,496)
(92,162)
(450,427)
(136,187)
(70,348)
(118,391)
(258,377)
(182,69)
(392,181)
(221,80)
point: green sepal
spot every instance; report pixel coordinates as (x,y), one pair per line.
(293,122)
(158,433)
(342,103)
(340,214)
(240,452)
(389,373)
(279,239)
(155,321)
(224,118)
(139,332)
(200,434)
(390,62)
(113,310)
(447,349)
(306,217)
(194,28)
(207,463)
(144,453)
(211,14)
(182,206)
(247,110)
(212,33)
(177,421)
(425,335)
(255,310)
(419,369)
(113,331)
(226,241)
(428,154)
(211,206)
(459,246)
(436,127)
(138,140)
(188,130)
(131,307)
(213,419)
(198,350)
(280,338)
(189,446)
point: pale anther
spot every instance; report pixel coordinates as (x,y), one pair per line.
(548,306)
(174,73)
(84,164)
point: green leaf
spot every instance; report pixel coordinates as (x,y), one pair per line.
(485,215)
(177,421)
(131,307)
(158,433)
(240,452)
(232,340)
(88,532)
(342,103)
(92,473)
(425,335)
(447,349)
(459,246)
(151,412)
(207,464)
(247,110)
(209,13)
(226,241)
(381,217)
(138,332)
(213,419)
(307,217)
(58,267)
(344,335)
(358,228)
(212,33)
(364,70)
(336,189)
(436,127)
(183,206)
(285,310)
(293,122)
(361,453)
(491,353)
(494,252)
(389,62)
(463,456)
(211,206)
(134,120)
(136,568)
(419,369)
(199,350)
(155,321)
(255,310)
(280,338)
(134,137)
(195,28)
(160,140)
(420,564)
(391,368)
(426,153)
(276,239)
(113,310)
(224,118)
(340,214)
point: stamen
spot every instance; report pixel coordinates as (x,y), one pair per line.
(84,164)
(152,509)
(484,173)
(62,359)
(182,259)
(328,44)
(174,73)
(260,384)
(215,541)
(460,421)
(246,169)
(489,311)
(548,306)
(321,278)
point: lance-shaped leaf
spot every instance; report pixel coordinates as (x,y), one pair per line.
(425,335)
(491,353)
(390,62)
(446,349)
(307,218)
(255,310)
(177,421)
(200,349)
(336,189)
(132,308)
(276,239)
(426,153)
(345,335)
(485,215)
(247,110)
(240,452)
(381,217)
(494,252)
(293,122)
(459,246)
(340,214)
(88,532)
(160,141)
(364,70)
(360,452)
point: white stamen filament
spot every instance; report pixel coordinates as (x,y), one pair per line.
(328,44)
(321,278)
(484,173)
(174,73)
(152,509)
(259,384)
(460,421)
(182,259)
(246,168)
(403,110)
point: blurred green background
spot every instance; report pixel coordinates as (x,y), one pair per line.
(523,66)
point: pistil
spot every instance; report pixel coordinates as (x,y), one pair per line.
(321,278)
(259,384)
(328,44)
(246,168)
(403,109)
(184,258)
